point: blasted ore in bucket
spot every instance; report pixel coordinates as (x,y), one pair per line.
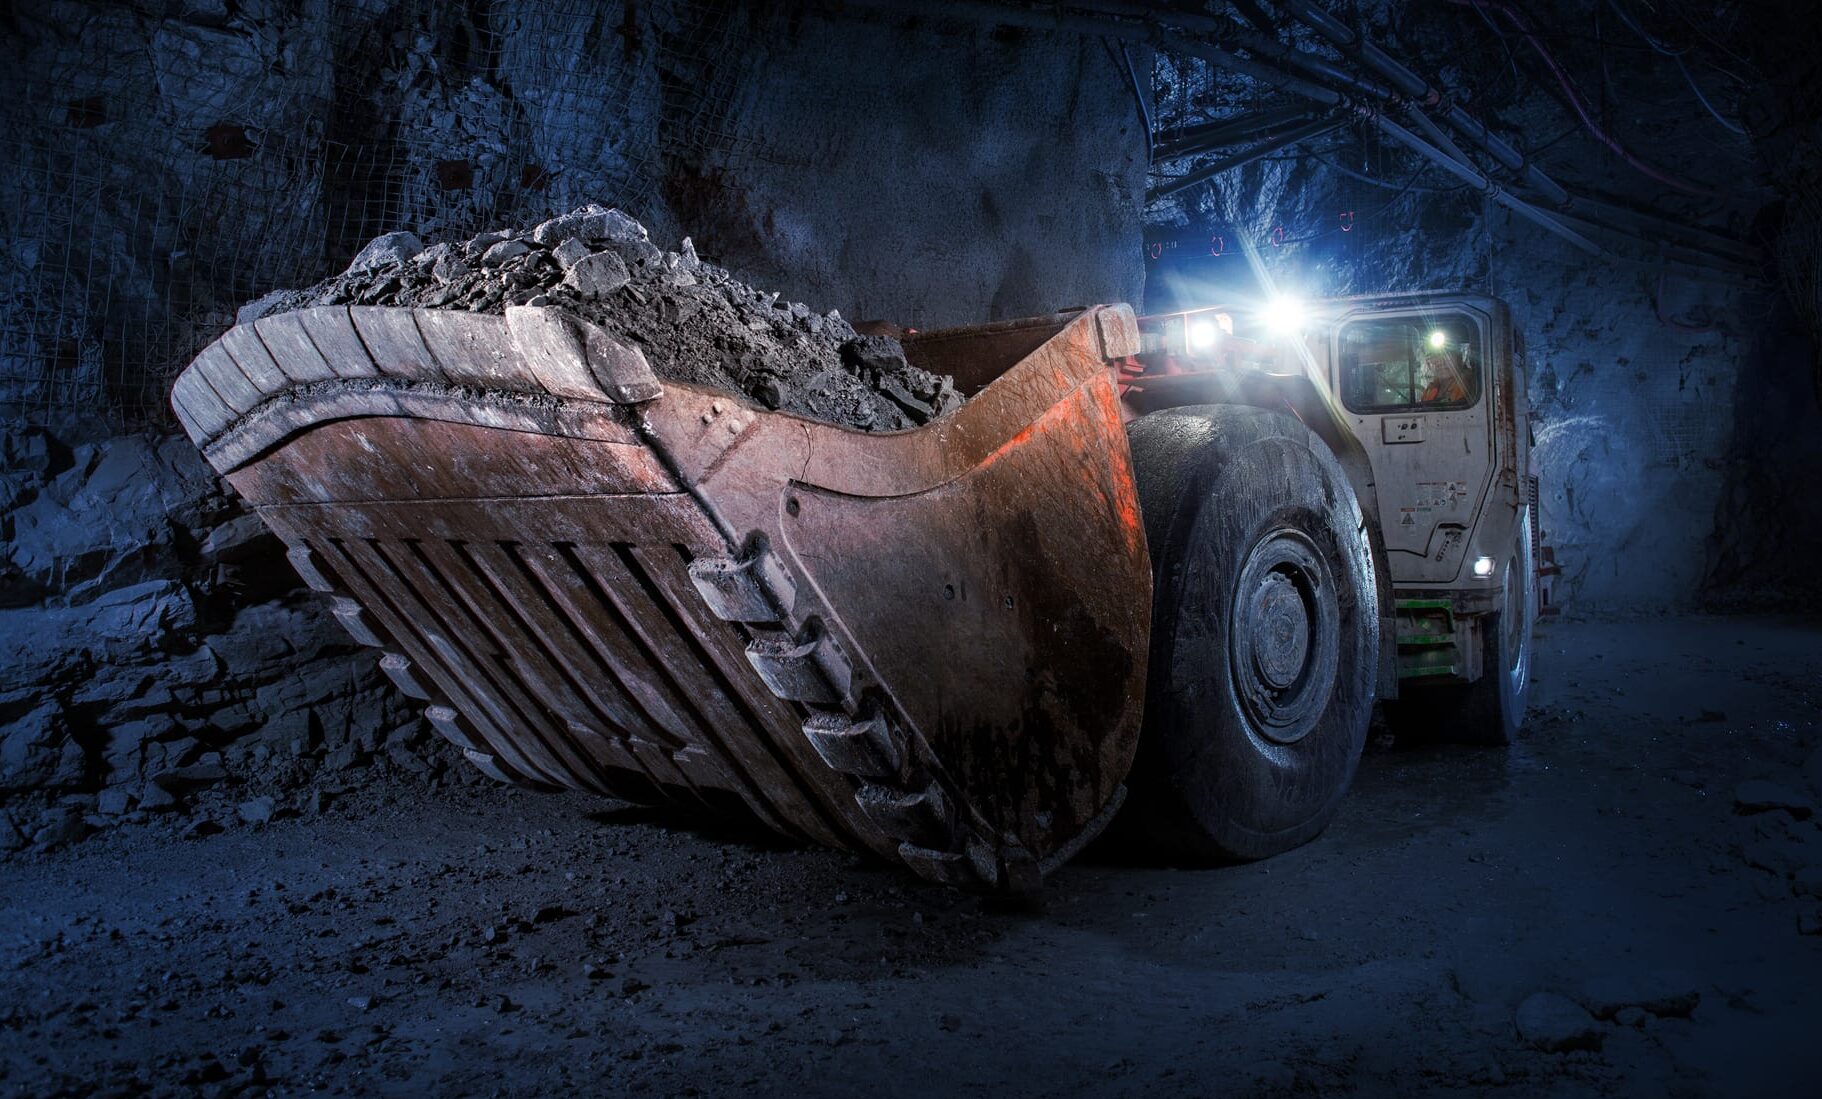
(693,321)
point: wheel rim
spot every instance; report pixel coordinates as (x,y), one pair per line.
(1284,637)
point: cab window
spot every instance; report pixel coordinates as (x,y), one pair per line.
(1410,364)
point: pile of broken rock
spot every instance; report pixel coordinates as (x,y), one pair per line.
(158,657)
(693,321)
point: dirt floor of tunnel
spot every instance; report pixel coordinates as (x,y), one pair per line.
(486,941)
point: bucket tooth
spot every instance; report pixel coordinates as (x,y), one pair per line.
(359,624)
(453,727)
(921,817)
(867,747)
(984,859)
(309,566)
(1019,871)
(942,867)
(489,766)
(756,590)
(399,670)
(807,669)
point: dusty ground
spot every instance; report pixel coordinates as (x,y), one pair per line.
(485,941)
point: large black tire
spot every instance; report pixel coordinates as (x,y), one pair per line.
(1490,710)
(1265,634)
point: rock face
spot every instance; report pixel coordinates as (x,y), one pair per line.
(693,321)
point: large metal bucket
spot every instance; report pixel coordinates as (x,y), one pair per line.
(928,644)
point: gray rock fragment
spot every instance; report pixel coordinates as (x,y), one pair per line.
(37,752)
(589,223)
(583,223)
(450,267)
(200,827)
(260,306)
(768,391)
(256,810)
(499,255)
(58,827)
(240,537)
(483,241)
(570,251)
(673,271)
(193,777)
(637,253)
(597,275)
(873,354)
(383,251)
(156,799)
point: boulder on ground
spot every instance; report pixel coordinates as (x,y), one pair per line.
(1554,1023)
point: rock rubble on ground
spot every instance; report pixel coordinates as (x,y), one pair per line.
(694,321)
(159,660)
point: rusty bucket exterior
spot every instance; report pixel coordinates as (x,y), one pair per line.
(927,644)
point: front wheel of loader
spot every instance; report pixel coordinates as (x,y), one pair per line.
(1490,710)
(1265,633)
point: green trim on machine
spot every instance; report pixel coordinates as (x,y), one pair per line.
(1431,652)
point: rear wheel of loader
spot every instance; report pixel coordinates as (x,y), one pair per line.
(1265,633)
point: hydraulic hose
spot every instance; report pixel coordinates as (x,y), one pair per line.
(1246,156)
(1581,107)
(1419,90)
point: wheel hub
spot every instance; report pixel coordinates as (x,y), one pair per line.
(1284,636)
(1281,642)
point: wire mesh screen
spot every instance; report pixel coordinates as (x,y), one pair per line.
(162,170)
(1799,253)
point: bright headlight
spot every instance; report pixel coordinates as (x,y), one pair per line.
(1438,339)
(1202,335)
(1283,314)
(1483,567)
